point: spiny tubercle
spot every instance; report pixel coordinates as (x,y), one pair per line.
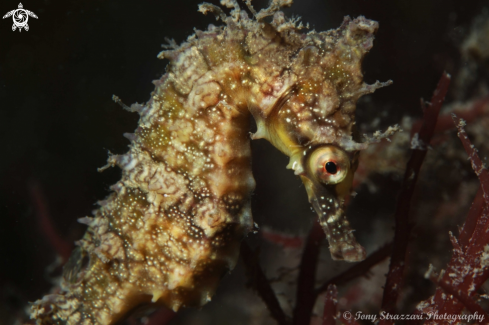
(173,224)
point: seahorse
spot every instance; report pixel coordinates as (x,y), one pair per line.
(173,224)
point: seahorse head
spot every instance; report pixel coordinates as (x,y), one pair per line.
(309,114)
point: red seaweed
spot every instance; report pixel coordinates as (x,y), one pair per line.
(305,296)
(61,246)
(330,306)
(403,223)
(260,283)
(468,268)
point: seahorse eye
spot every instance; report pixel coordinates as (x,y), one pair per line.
(331,167)
(329,164)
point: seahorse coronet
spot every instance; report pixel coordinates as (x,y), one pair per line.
(172,226)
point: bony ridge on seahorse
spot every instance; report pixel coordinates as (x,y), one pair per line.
(174,222)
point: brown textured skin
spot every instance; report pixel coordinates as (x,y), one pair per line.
(172,227)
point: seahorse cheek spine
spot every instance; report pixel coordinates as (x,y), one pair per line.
(173,224)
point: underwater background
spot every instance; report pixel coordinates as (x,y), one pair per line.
(58,122)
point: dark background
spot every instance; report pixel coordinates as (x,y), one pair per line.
(57,119)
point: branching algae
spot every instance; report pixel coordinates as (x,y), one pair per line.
(174,222)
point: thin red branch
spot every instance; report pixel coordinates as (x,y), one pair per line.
(471,221)
(260,283)
(477,165)
(305,296)
(358,269)
(282,239)
(468,302)
(403,225)
(331,314)
(330,306)
(430,115)
(46,224)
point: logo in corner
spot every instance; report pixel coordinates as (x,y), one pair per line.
(20,17)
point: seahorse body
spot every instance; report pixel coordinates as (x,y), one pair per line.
(174,222)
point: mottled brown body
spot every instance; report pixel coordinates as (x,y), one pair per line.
(172,227)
